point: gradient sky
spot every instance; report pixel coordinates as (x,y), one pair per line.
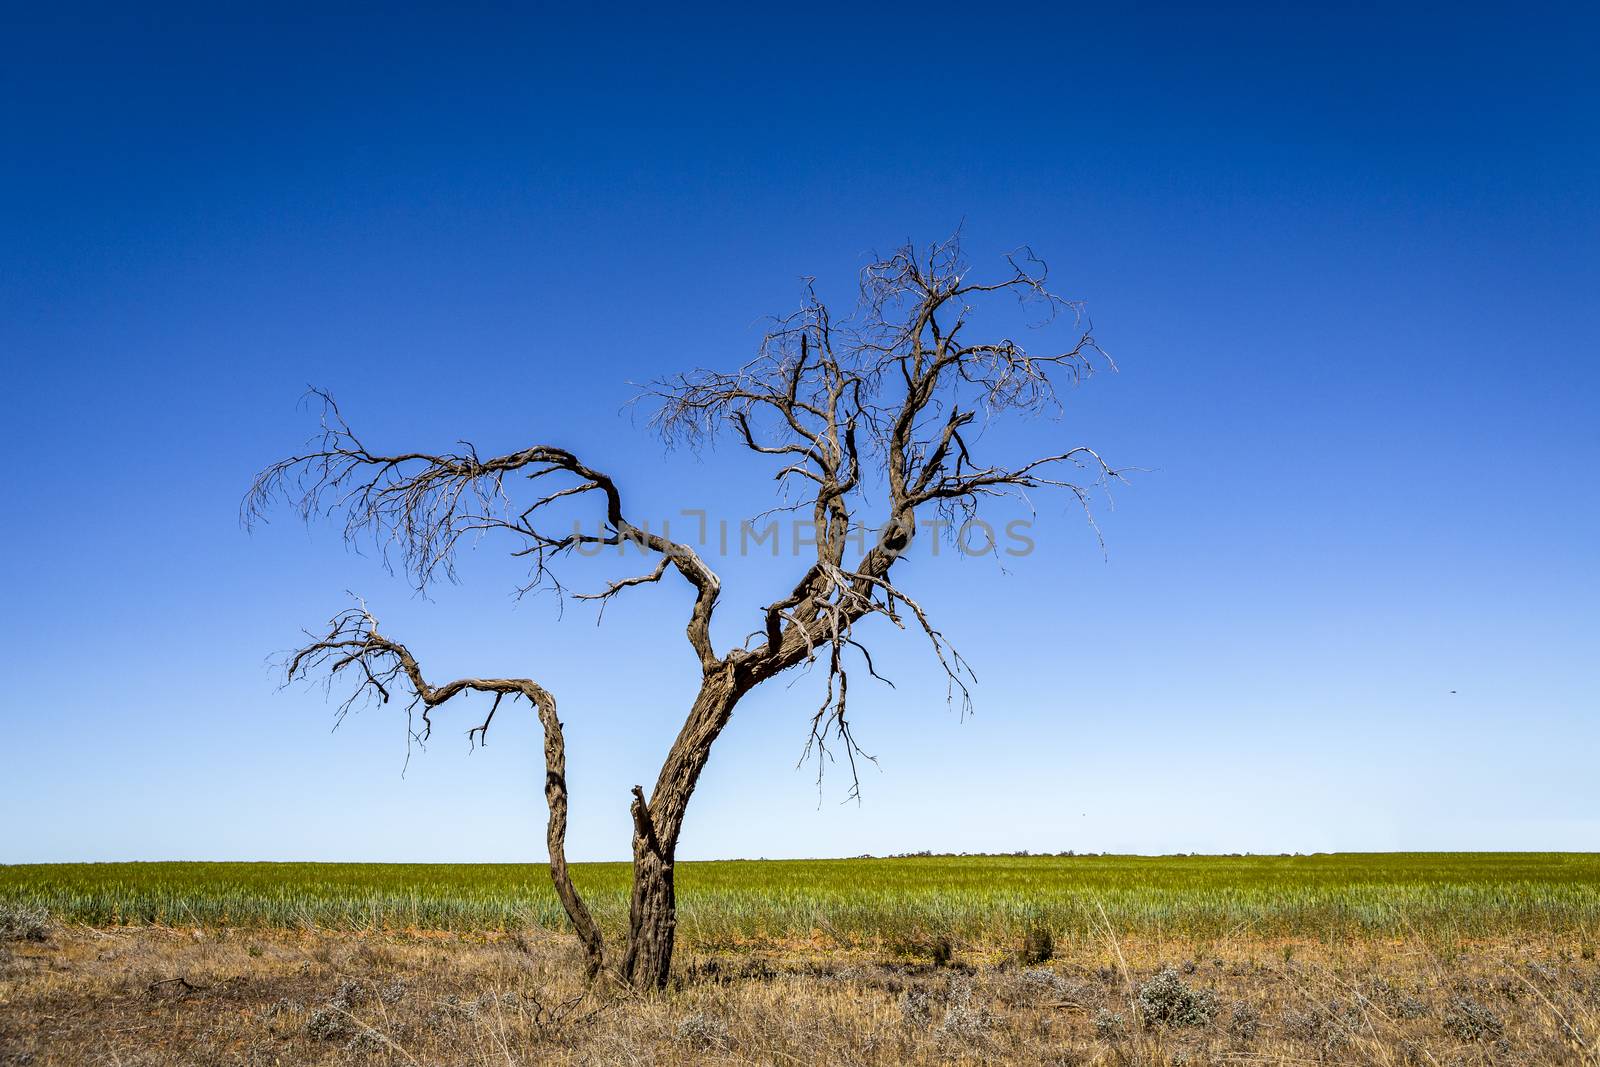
(1346,263)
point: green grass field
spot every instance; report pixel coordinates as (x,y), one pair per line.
(977,899)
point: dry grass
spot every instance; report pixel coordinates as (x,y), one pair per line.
(132,996)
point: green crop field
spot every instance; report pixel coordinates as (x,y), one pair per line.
(978,899)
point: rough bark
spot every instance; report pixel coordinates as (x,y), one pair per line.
(555,795)
(653,913)
(653,910)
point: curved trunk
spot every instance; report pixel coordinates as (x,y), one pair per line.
(653,913)
(555,795)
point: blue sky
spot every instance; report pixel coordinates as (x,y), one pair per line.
(1345,263)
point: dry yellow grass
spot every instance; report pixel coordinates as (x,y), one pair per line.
(141,996)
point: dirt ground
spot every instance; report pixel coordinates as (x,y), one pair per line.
(162,996)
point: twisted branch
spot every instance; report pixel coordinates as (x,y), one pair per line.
(353,643)
(421,506)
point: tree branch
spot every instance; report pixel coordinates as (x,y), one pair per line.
(899,383)
(353,642)
(421,506)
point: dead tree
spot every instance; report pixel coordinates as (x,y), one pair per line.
(887,404)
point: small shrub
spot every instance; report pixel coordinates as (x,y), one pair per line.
(702,1031)
(1110,1025)
(916,1007)
(366,1042)
(1166,1000)
(1406,1006)
(24,922)
(964,1018)
(329,1023)
(966,1021)
(1327,1026)
(349,994)
(1034,986)
(1304,1025)
(1415,1055)
(1467,1020)
(1245,1022)
(1396,1002)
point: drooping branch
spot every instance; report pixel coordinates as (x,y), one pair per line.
(420,506)
(354,645)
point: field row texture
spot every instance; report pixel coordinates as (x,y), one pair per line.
(980,899)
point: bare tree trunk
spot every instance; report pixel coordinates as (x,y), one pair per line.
(653,913)
(555,793)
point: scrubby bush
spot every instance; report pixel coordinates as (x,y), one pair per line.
(916,1006)
(1035,986)
(329,1023)
(1328,1026)
(1396,1002)
(1110,1025)
(966,1021)
(24,922)
(367,1043)
(350,993)
(1167,1000)
(1467,1020)
(964,1017)
(702,1031)
(1304,1025)
(1245,1022)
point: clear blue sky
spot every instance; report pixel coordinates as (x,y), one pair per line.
(1347,265)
